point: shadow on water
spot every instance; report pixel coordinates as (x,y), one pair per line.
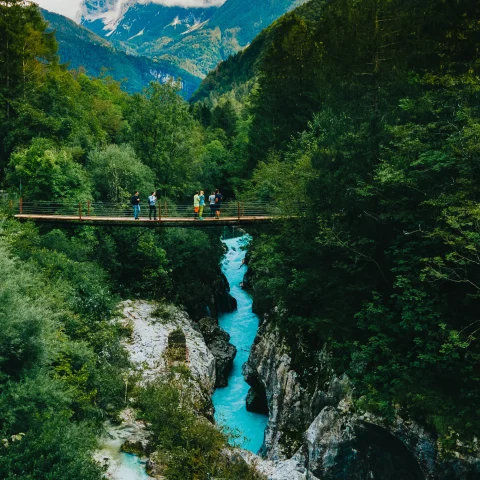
(242,325)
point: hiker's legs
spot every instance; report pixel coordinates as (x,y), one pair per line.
(136,211)
(153,209)
(218,212)
(195,209)
(212,210)
(200,211)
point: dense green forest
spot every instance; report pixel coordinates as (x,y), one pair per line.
(359,118)
(367,113)
(67,137)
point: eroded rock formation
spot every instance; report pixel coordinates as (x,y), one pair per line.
(218,342)
(314,431)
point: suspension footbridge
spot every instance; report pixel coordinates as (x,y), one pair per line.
(168,214)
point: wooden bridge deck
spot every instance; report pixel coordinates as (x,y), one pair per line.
(144,221)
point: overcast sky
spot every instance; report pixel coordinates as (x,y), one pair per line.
(64,7)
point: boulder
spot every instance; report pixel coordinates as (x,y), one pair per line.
(223,351)
(224,302)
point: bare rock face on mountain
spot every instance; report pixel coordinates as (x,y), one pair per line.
(194,35)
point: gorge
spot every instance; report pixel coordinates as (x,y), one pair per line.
(360,122)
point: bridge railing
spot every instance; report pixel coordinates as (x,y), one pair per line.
(165,209)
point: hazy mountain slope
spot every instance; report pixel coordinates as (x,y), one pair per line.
(79,47)
(193,38)
(242,67)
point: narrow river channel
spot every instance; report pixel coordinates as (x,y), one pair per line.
(242,325)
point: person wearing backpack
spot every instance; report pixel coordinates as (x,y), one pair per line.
(152,203)
(211,199)
(135,201)
(218,203)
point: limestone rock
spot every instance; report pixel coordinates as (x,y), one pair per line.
(130,435)
(217,341)
(149,341)
(314,432)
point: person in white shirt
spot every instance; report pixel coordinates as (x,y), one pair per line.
(152,203)
(211,199)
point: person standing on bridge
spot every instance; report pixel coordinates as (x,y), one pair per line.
(218,203)
(196,204)
(211,199)
(201,206)
(135,201)
(152,203)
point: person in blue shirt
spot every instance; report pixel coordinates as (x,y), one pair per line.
(152,203)
(201,204)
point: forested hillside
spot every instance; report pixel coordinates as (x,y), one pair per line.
(80,48)
(66,137)
(360,120)
(367,114)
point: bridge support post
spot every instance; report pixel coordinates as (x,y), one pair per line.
(159,211)
(88,208)
(80,211)
(238,206)
(21,205)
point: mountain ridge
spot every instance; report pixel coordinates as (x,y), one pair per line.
(79,47)
(195,38)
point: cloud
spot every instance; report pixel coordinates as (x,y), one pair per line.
(186,3)
(64,7)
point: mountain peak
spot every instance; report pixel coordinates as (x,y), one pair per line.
(111,11)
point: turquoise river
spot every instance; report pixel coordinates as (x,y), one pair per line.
(242,325)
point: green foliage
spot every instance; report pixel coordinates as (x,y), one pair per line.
(187,445)
(61,359)
(24,333)
(363,124)
(48,173)
(38,400)
(117,173)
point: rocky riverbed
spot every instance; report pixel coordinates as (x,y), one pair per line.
(150,325)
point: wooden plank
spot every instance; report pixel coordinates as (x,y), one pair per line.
(145,222)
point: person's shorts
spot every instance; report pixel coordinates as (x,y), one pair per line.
(195,209)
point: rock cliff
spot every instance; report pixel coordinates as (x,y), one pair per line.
(218,342)
(315,432)
(152,327)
